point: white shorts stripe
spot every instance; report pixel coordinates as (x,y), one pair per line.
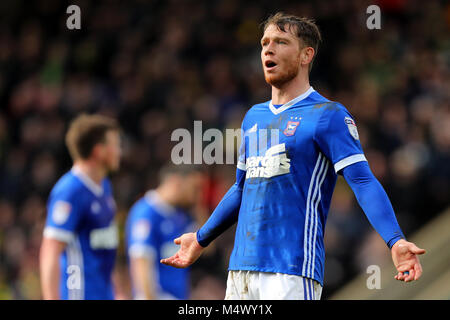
(305,289)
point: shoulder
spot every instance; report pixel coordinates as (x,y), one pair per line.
(332,115)
(330,109)
(254,111)
(107,185)
(139,222)
(67,187)
(139,210)
(144,210)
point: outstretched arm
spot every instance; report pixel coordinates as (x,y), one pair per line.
(376,205)
(223,217)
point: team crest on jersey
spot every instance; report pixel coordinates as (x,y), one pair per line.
(351,125)
(61,212)
(291,127)
(141,229)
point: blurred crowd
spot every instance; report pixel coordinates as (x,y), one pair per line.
(160,65)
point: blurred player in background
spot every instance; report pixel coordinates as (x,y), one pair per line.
(78,249)
(153,222)
(283,190)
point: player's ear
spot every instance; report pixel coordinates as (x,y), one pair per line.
(307,55)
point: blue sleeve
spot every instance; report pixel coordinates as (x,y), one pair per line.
(227,211)
(374,201)
(225,214)
(143,236)
(64,213)
(337,137)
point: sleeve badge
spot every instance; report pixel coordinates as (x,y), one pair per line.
(351,125)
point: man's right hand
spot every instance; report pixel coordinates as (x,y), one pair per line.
(190,250)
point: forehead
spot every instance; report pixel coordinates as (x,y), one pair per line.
(272,31)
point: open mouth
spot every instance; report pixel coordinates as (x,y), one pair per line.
(270,64)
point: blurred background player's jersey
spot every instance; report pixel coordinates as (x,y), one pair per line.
(152,226)
(81,213)
(291,171)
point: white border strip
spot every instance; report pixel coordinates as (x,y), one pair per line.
(308,200)
(88,182)
(241,166)
(58,234)
(139,250)
(290,103)
(348,161)
(316,214)
(314,202)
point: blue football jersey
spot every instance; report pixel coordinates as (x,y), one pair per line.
(151,227)
(81,213)
(291,155)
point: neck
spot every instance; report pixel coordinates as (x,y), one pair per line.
(93,170)
(167,193)
(289,90)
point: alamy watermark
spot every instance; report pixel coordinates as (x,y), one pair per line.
(74,20)
(374,19)
(221,147)
(374,280)
(74,277)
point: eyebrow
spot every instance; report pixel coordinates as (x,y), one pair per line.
(264,39)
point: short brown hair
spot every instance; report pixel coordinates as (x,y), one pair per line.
(85,132)
(304,28)
(179,170)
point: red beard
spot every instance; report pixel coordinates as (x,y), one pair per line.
(280,78)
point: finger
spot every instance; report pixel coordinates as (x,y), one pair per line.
(177,263)
(166,261)
(404,267)
(171,263)
(174,261)
(177,240)
(399,276)
(418,271)
(170,259)
(410,277)
(416,250)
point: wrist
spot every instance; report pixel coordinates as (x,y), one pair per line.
(398,242)
(197,241)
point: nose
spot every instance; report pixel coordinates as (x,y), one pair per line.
(269,49)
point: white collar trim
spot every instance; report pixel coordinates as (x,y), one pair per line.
(153,198)
(290,103)
(88,182)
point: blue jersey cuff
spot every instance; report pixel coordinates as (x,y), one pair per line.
(391,242)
